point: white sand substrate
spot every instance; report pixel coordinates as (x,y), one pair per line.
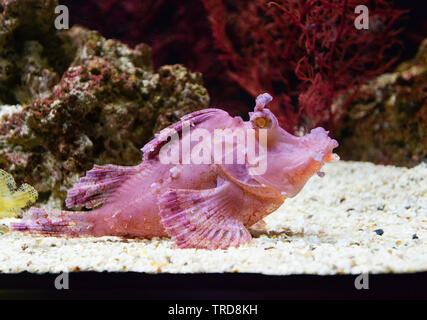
(332,227)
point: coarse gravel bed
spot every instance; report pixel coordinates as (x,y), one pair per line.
(359,218)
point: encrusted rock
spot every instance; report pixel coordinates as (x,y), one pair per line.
(70,99)
(387,121)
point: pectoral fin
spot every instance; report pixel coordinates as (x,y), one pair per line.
(204,219)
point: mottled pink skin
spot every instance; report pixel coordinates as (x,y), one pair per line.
(133,209)
(200,206)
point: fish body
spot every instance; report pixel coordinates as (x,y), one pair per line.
(188,190)
(13,199)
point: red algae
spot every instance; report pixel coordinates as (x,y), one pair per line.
(307,53)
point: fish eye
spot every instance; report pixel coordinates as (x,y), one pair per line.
(262,122)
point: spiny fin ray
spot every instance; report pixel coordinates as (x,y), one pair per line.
(203,219)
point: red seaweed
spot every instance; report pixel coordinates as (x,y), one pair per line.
(306,52)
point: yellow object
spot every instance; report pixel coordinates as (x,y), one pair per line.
(12,200)
(3,229)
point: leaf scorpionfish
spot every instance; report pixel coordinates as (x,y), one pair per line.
(184,190)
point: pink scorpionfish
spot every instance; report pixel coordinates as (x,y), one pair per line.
(207,202)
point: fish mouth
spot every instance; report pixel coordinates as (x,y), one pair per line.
(331,157)
(311,152)
(324,153)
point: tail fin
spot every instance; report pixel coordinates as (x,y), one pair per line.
(55,223)
(98,184)
(12,200)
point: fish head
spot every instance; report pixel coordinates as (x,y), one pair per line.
(290,160)
(310,153)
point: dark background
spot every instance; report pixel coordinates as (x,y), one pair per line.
(179,32)
(131,285)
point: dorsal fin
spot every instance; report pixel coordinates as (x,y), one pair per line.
(152,148)
(98,184)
